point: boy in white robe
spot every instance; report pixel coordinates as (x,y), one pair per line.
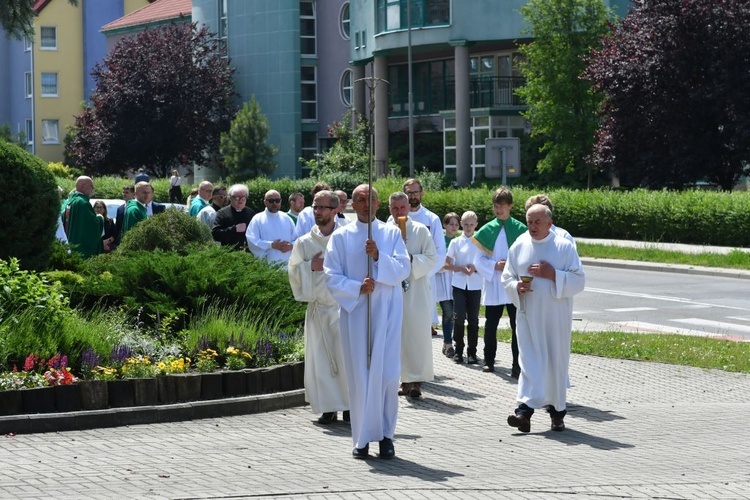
(545,315)
(373,390)
(416,341)
(325,380)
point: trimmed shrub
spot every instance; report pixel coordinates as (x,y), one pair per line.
(27,223)
(170,230)
(164,284)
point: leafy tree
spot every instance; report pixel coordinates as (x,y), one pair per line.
(350,153)
(162,98)
(676,80)
(17,17)
(562,107)
(244,147)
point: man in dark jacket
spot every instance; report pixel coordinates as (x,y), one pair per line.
(231,221)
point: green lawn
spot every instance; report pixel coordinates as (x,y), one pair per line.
(665,348)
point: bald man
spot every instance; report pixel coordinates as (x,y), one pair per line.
(82,225)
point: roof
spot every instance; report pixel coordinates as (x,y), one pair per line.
(160,10)
(39,5)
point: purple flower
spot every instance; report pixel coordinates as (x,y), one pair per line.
(120,353)
(89,359)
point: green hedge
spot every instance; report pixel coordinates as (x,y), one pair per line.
(697,217)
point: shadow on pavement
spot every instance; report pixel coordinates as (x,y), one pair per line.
(572,437)
(400,467)
(592,414)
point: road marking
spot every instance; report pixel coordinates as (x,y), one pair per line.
(714,325)
(642,327)
(739,318)
(660,297)
(631,309)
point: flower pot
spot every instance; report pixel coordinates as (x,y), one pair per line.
(233,383)
(120,393)
(145,391)
(188,386)
(94,394)
(39,400)
(11,402)
(68,398)
(298,374)
(211,386)
(167,389)
(254,381)
(271,379)
(286,377)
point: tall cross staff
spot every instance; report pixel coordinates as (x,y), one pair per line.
(372,83)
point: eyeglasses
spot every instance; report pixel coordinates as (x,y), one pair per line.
(321,207)
(239,198)
(410,193)
(273,200)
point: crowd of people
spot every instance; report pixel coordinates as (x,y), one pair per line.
(372,289)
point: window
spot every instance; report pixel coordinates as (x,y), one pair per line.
(309,145)
(49,84)
(346,87)
(49,38)
(309,93)
(392,14)
(345,21)
(26,44)
(50,132)
(29,84)
(29,132)
(223,25)
(307,28)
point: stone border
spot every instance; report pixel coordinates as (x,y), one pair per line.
(114,417)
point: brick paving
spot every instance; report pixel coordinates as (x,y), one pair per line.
(635,430)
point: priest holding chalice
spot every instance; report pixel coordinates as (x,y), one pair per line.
(542,274)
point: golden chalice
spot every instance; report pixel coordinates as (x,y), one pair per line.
(527,279)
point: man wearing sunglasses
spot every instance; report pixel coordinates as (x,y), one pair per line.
(270,234)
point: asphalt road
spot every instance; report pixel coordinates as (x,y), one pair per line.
(664,302)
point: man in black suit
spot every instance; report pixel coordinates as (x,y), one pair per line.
(128,193)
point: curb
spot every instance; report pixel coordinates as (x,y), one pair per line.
(669,268)
(115,417)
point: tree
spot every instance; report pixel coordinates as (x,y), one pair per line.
(17,17)
(676,80)
(351,151)
(562,107)
(244,147)
(162,98)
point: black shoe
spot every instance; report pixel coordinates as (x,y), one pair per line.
(361,453)
(488,368)
(458,358)
(327,418)
(558,424)
(472,359)
(520,421)
(386,448)
(346,416)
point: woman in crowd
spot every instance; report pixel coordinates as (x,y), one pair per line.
(108,234)
(175,191)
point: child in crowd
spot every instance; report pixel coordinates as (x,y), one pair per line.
(467,289)
(444,288)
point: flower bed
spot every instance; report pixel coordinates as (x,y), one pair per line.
(147,391)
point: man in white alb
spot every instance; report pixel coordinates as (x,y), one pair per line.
(270,234)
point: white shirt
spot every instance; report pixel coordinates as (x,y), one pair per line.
(265,228)
(463,252)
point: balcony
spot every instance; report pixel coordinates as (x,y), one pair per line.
(498,92)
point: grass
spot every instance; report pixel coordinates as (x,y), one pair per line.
(699,352)
(736,259)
